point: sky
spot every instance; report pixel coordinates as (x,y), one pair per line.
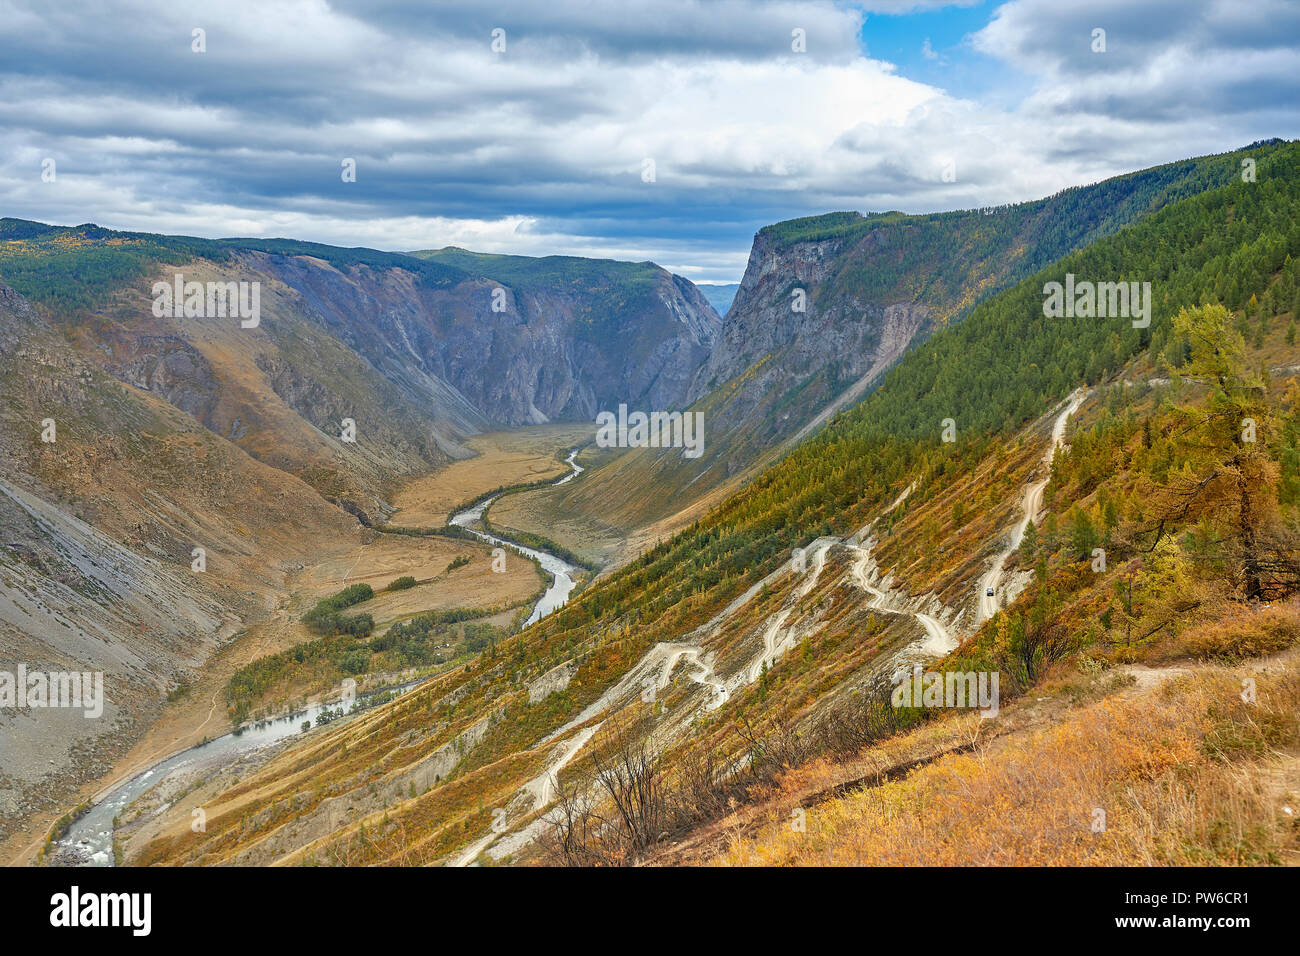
(667,130)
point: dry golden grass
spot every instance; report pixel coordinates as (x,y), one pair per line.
(542,511)
(1186,773)
(1240,631)
(385,557)
(504,458)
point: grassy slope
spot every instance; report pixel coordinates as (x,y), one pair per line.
(1185,773)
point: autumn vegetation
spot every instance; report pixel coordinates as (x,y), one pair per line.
(1162,576)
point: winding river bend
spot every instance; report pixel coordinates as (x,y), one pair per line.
(563,574)
(89,840)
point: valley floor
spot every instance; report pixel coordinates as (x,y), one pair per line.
(504,458)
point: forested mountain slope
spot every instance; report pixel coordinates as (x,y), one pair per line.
(829,302)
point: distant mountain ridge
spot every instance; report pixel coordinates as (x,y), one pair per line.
(419,351)
(720,295)
(600,331)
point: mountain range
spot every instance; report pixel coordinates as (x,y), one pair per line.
(907,463)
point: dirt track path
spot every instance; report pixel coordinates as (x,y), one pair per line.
(939,640)
(1031,506)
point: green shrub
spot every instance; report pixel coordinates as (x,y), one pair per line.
(325,618)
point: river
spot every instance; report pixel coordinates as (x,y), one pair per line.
(89,841)
(563,574)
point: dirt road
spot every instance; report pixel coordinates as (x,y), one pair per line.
(1031,506)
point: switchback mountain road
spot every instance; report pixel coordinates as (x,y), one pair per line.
(1032,506)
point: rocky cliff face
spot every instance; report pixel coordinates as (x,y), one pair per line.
(559,339)
(798,343)
(792,332)
(764,316)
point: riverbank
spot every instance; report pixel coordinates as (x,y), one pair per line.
(89,840)
(201,713)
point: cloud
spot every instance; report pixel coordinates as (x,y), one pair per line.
(1166,63)
(540,149)
(898,7)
